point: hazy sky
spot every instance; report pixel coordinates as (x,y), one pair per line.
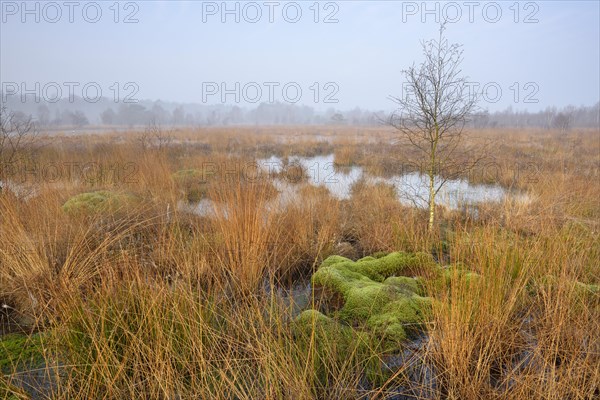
(536,53)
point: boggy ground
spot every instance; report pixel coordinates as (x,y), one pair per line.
(122,291)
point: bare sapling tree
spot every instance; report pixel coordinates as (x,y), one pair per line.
(154,137)
(563,120)
(433,110)
(17,138)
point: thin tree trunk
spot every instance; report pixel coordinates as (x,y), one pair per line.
(431,199)
(432,171)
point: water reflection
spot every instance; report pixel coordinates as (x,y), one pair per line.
(412,189)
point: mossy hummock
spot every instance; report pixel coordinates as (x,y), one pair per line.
(333,344)
(19,351)
(201,175)
(98,202)
(194,182)
(376,269)
(377,294)
(581,290)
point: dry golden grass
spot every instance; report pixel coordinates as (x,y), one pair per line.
(155,301)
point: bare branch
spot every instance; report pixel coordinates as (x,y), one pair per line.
(17,136)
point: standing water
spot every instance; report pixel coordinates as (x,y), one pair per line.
(412,188)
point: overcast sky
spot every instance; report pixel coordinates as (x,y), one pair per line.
(535,53)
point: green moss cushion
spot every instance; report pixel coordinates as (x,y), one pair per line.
(379,294)
(98,202)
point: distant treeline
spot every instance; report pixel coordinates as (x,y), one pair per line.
(80,113)
(551,117)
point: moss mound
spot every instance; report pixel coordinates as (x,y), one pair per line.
(585,289)
(195,174)
(327,329)
(331,343)
(19,351)
(336,273)
(194,182)
(375,293)
(460,274)
(581,291)
(98,202)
